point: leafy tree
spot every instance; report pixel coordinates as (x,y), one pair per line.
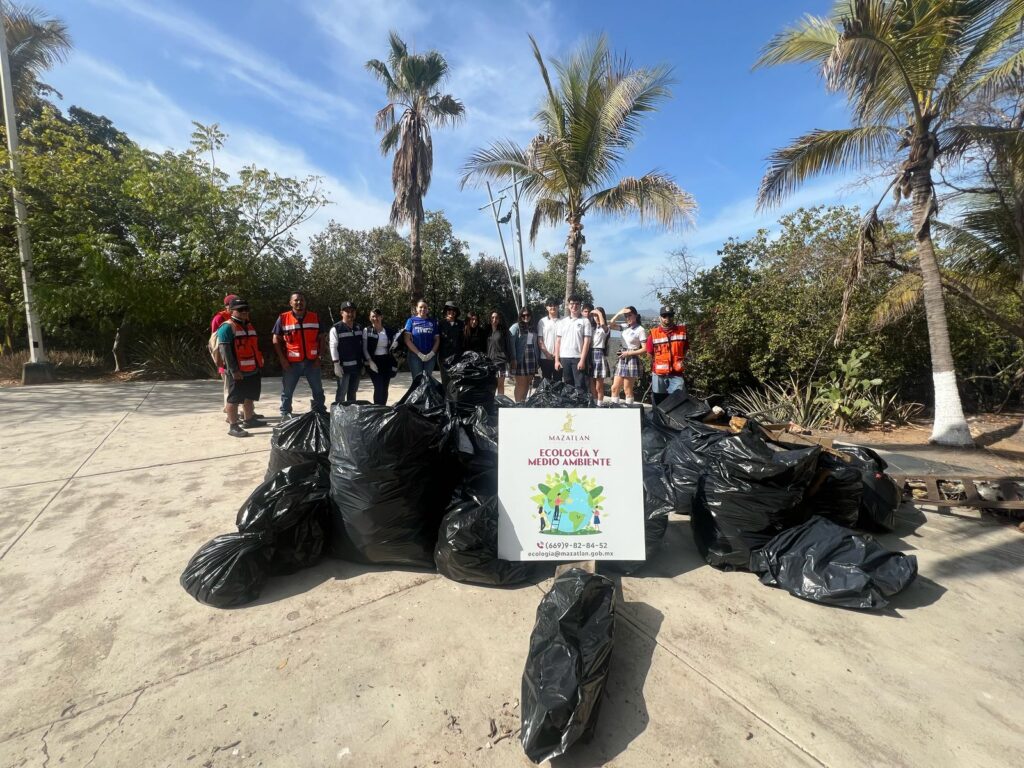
(586,124)
(907,68)
(445,262)
(542,284)
(411,82)
(486,288)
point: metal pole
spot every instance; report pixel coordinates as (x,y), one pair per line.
(519,238)
(508,269)
(38,369)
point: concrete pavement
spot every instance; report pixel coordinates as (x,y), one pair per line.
(106,490)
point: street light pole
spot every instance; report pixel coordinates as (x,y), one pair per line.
(37,370)
(519,239)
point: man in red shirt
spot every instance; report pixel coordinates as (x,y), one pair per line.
(216,322)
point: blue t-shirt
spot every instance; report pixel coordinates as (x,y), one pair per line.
(423,331)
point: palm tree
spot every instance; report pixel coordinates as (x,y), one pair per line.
(34,44)
(907,68)
(586,125)
(411,81)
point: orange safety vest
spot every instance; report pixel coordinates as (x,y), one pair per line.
(670,347)
(301,337)
(247,348)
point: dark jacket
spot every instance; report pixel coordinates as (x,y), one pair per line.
(500,349)
(452,338)
(476,339)
(370,345)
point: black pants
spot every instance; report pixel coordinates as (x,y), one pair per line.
(573,375)
(381,378)
(547,368)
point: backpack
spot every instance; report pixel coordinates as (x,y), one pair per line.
(213,347)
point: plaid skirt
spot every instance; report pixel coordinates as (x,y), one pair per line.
(628,367)
(502,367)
(529,366)
(599,363)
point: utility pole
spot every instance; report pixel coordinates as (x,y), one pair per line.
(37,370)
(519,239)
(495,207)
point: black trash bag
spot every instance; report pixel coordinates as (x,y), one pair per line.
(471,379)
(680,407)
(567,665)
(558,394)
(473,440)
(731,518)
(293,507)
(228,570)
(386,462)
(836,491)
(467,548)
(302,438)
(425,394)
(826,563)
(880,494)
(655,434)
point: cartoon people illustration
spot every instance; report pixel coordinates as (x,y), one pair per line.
(557,503)
(543,518)
(596,522)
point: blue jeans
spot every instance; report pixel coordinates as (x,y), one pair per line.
(417,366)
(666,385)
(348,384)
(290,379)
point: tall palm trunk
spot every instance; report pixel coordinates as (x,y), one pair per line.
(417,261)
(573,245)
(949,427)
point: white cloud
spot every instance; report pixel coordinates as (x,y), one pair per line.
(362,26)
(256,70)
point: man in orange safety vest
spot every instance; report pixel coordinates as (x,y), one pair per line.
(667,345)
(298,335)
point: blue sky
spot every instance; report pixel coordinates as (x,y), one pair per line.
(286,82)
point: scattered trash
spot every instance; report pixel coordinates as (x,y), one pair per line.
(302,438)
(826,563)
(567,664)
(467,548)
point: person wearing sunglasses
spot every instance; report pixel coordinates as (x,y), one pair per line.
(524,341)
(667,345)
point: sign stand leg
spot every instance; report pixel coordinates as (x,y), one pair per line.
(590,566)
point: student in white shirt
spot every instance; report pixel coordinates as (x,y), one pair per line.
(634,339)
(572,347)
(547,335)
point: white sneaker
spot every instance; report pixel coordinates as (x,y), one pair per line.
(629,401)
(600,403)
(614,400)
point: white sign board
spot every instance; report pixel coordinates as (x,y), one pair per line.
(570,484)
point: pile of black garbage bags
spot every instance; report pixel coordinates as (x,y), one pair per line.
(415,484)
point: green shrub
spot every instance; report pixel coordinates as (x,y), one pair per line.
(173,357)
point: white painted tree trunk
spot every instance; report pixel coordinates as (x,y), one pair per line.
(950,426)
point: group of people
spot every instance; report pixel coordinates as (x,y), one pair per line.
(574,348)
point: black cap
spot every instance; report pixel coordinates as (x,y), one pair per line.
(552,302)
(451,305)
(238,303)
(667,311)
(347,305)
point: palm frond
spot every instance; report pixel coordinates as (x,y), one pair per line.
(991,26)
(653,196)
(444,109)
(898,302)
(821,152)
(955,140)
(546,211)
(1001,78)
(810,40)
(35,43)
(380,70)
(498,161)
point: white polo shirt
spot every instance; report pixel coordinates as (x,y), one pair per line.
(547,327)
(633,337)
(572,331)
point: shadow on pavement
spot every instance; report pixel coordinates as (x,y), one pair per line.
(623,714)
